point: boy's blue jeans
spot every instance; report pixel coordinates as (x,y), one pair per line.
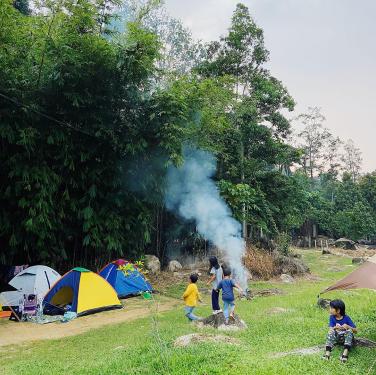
(189,313)
(228,308)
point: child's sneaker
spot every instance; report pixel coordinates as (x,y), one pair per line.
(343,358)
(215,312)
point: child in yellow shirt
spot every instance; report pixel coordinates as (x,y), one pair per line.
(191,296)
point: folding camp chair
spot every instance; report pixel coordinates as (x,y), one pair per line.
(30,306)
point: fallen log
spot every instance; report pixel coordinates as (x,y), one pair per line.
(365,343)
(265,292)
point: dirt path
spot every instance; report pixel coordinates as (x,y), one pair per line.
(12,333)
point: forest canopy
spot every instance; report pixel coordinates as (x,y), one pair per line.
(93,113)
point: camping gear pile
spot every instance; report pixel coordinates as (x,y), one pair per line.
(40,294)
(26,291)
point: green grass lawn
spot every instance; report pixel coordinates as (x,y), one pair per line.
(145,346)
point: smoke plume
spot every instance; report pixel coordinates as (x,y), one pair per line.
(192,193)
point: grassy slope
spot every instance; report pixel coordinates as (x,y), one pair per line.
(138,348)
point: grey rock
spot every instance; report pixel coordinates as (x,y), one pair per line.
(153,264)
(174,266)
(358,260)
(323,303)
(286,278)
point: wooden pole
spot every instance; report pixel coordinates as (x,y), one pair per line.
(14,313)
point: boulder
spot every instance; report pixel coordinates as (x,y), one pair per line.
(153,264)
(286,278)
(346,244)
(364,242)
(289,265)
(174,266)
(358,260)
(323,303)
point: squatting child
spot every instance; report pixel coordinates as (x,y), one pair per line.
(227,285)
(341,330)
(191,297)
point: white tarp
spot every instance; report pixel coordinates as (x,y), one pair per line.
(12,298)
(33,280)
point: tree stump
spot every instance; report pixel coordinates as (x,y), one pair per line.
(218,320)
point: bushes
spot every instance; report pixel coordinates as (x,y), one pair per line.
(283,242)
(260,263)
(265,265)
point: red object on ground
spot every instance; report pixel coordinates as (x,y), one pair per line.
(5,314)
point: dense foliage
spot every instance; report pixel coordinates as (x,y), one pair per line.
(90,117)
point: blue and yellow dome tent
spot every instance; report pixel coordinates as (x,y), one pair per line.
(127,281)
(84,290)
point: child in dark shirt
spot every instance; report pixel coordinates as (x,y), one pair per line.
(341,330)
(216,276)
(227,285)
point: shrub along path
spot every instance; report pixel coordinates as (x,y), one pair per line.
(146,345)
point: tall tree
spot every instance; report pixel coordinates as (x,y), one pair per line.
(332,156)
(179,51)
(255,114)
(352,159)
(314,138)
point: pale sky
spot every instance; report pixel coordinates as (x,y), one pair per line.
(323,51)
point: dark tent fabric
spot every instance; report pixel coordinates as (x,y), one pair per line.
(7,273)
(129,284)
(362,277)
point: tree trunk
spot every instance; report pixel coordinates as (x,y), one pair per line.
(244,209)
